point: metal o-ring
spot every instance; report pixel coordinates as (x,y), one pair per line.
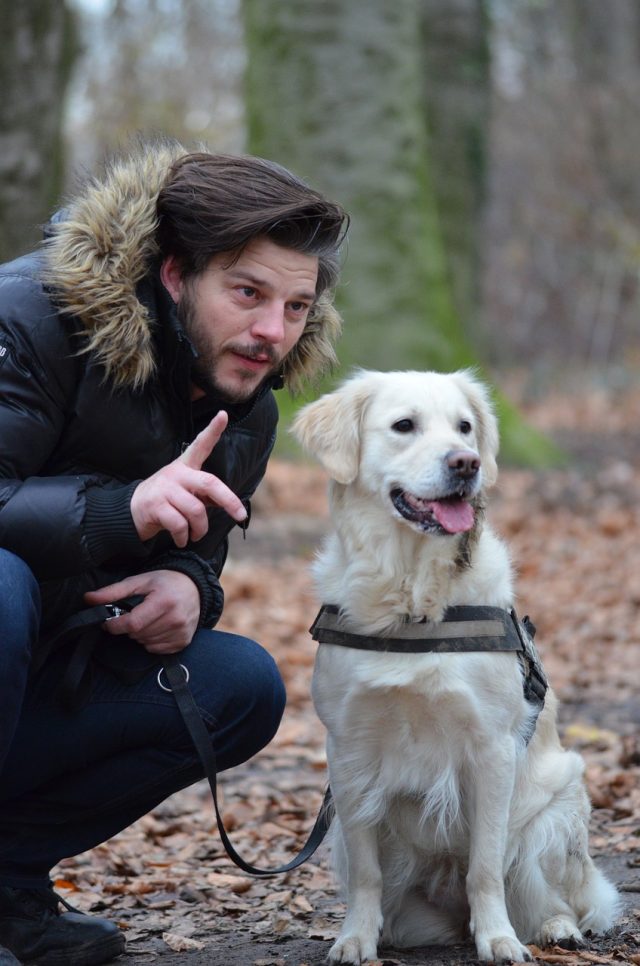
(164,686)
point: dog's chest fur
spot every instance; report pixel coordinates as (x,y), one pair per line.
(405,732)
(409,727)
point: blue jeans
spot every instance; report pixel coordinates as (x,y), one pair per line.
(72,779)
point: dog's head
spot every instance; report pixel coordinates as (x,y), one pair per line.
(423,443)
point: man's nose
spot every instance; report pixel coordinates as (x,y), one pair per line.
(269,323)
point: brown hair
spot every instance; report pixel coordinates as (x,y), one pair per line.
(218,203)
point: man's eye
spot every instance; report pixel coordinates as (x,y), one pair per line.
(298,307)
(404,426)
(248,291)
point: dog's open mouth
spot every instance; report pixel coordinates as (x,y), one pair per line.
(451,514)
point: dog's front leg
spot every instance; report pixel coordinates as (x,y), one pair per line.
(358,939)
(493,778)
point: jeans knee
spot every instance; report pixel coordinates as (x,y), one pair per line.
(269,696)
(19,599)
(238,684)
(260,689)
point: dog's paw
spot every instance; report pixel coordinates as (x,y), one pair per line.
(560,931)
(353,949)
(502,949)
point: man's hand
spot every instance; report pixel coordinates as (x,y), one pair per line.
(177,496)
(167,618)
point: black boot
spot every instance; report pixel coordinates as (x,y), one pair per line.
(33,928)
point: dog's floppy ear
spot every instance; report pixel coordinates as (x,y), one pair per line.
(329,428)
(486,423)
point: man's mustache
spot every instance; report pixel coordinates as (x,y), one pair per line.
(263,352)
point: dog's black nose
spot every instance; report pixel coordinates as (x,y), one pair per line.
(463,462)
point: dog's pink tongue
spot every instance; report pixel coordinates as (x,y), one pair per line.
(454,516)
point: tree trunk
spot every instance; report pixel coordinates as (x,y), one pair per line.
(38,49)
(335,91)
(457,72)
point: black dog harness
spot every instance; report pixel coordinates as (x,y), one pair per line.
(462,629)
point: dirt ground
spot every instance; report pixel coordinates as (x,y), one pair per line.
(575,539)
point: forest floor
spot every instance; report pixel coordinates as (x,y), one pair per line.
(574,534)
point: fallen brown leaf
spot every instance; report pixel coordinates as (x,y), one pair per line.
(181,944)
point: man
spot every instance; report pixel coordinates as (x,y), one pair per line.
(138,353)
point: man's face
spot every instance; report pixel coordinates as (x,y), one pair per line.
(243,318)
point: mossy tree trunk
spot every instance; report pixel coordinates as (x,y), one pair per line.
(335,90)
(457,94)
(38,49)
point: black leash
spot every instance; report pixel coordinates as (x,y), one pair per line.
(84,629)
(201,738)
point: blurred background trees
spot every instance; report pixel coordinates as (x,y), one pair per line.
(487,150)
(563,220)
(39,47)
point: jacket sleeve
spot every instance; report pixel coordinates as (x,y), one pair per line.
(41,517)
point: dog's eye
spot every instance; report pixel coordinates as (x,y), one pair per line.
(465,426)
(404,426)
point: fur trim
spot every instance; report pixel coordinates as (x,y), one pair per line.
(314,353)
(103,248)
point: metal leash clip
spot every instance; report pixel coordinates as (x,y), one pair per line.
(166,687)
(115,611)
(124,606)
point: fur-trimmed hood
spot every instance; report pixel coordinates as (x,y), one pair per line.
(97,255)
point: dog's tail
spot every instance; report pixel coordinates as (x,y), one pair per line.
(596,901)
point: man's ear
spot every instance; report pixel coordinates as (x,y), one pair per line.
(171,277)
(329,428)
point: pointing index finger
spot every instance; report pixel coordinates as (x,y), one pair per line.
(197,452)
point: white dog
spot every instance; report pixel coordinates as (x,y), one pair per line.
(447,820)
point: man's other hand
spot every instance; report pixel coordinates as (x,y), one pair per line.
(167,618)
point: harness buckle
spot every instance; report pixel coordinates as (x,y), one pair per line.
(535,682)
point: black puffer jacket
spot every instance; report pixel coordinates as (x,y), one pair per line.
(78,430)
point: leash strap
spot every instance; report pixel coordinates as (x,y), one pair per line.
(203,744)
(83,630)
(71,630)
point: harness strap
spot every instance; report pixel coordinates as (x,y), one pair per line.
(463,629)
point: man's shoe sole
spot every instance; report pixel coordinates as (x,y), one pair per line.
(90,955)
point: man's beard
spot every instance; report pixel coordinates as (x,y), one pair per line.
(203,368)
